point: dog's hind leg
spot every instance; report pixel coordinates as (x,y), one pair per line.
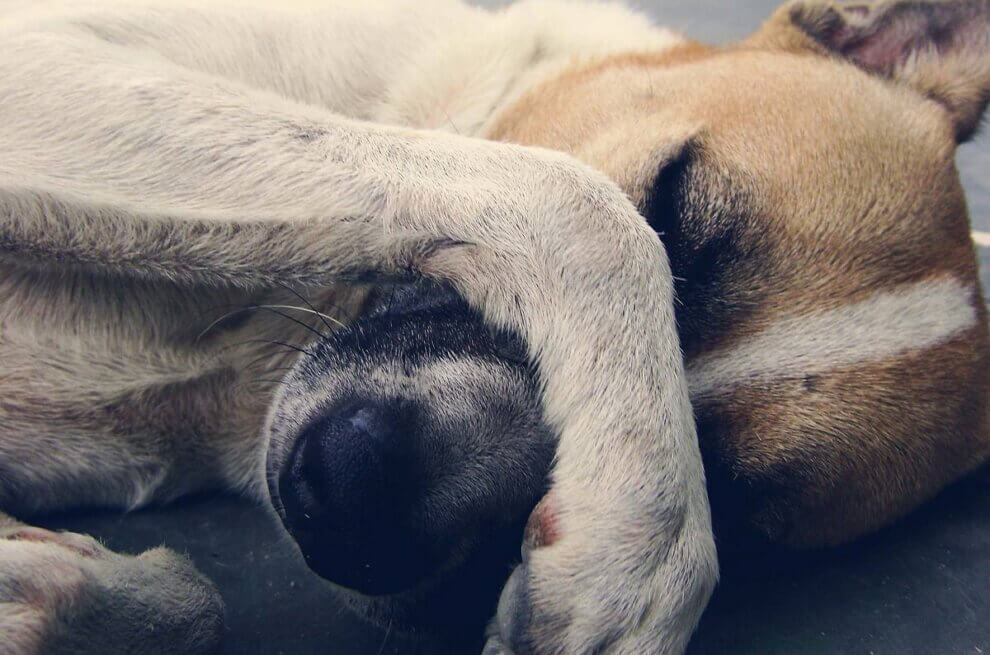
(80,425)
(66,593)
(74,444)
(123,413)
(147,406)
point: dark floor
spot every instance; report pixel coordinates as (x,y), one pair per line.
(917,588)
(920,587)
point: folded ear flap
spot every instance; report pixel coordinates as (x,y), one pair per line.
(941,48)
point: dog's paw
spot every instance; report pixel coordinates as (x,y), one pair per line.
(602,583)
(65,593)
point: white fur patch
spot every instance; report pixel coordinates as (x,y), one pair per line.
(982,238)
(914,317)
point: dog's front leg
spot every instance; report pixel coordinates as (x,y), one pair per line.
(619,556)
(139,167)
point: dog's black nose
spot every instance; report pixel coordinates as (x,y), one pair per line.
(337,465)
(347,490)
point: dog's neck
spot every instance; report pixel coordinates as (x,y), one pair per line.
(465,81)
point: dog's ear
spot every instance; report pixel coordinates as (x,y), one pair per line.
(941,48)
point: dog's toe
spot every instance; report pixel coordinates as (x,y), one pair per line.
(65,592)
(638,591)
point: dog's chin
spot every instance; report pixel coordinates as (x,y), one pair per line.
(415,616)
(448,610)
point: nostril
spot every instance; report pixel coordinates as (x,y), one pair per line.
(294,488)
(315,463)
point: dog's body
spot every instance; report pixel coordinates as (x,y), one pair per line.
(164,167)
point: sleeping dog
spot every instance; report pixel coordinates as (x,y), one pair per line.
(435,282)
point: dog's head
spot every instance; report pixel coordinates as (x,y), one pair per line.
(405,456)
(828,305)
(828,302)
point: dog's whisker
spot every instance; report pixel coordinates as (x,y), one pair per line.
(247,342)
(388,633)
(309,304)
(274,309)
(269,308)
(308,311)
(220,320)
(288,345)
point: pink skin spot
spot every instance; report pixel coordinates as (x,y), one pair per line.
(542,528)
(65,540)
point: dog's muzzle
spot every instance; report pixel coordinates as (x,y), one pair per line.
(421,453)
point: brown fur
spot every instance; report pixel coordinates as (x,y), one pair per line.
(845,183)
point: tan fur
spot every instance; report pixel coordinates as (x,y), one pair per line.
(849,185)
(815,166)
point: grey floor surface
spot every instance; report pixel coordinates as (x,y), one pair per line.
(919,587)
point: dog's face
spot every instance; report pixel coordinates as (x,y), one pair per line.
(405,456)
(829,309)
(829,306)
